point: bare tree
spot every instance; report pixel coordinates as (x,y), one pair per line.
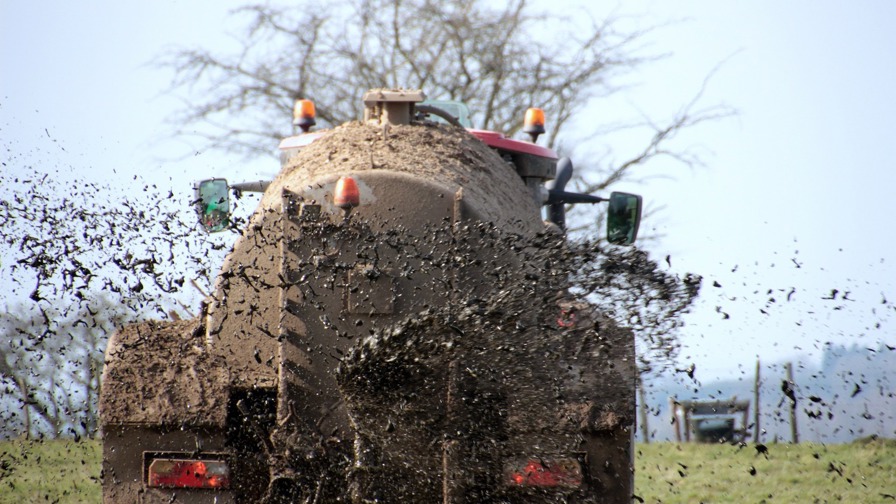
(50,365)
(499,61)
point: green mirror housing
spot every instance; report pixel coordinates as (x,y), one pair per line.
(623,218)
(212,203)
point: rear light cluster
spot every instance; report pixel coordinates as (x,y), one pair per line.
(545,473)
(181,473)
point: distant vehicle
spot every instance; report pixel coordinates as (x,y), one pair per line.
(356,347)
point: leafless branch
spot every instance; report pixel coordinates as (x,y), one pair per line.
(469,51)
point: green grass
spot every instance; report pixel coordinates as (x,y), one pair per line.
(68,472)
(863,471)
(50,472)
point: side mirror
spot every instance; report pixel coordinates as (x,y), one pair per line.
(623,218)
(212,203)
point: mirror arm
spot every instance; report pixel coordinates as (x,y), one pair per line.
(260,186)
(563,197)
(557,201)
(558,197)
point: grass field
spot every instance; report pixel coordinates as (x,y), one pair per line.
(862,472)
(63,472)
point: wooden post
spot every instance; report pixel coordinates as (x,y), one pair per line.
(643,400)
(756,428)
(794,433)
(674,409)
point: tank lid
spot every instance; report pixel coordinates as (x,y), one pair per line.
(391,106)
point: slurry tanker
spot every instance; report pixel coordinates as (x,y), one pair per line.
(395,323)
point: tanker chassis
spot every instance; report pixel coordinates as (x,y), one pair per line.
(395,323)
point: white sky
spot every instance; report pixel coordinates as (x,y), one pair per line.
(804,172)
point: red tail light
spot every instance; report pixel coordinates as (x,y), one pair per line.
(545,473)
(178,473)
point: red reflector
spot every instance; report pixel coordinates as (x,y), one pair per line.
(567,318)
(546,473)
(345,194)
(175,473)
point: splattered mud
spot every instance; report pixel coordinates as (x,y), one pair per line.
(500,343)
(429,151)
(164,376)
(511,362)
(489,349)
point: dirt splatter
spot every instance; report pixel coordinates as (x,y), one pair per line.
(429,151)
(160,374)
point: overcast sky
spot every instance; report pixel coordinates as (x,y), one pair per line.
(794,197)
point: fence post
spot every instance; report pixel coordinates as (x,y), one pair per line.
(756,428)
(673,408)
(794,433)
(643,400)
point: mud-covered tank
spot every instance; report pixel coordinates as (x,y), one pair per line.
(394,324)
